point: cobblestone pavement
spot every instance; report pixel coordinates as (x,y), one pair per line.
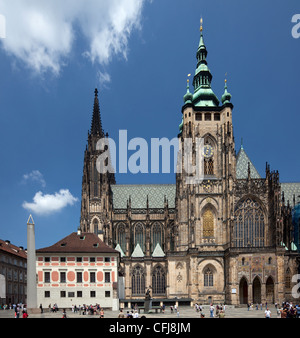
(184,312)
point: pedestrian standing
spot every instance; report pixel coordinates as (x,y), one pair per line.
(267,313)
(211,309)
(101,313)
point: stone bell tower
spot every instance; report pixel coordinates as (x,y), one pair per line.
(96,197)
(204,207)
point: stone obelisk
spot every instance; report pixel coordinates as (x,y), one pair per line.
(31,268)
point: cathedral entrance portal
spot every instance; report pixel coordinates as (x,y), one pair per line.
(256,287)
(243,291)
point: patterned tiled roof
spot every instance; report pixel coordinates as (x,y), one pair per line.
(291,189)
(138,193)
(242,161)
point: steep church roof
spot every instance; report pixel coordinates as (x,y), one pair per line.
(242,161)
(290,190)
(138,194)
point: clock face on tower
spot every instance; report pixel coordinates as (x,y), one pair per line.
(208,151)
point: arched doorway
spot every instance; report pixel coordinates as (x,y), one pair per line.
(243,291)
(270,290)
(256,288)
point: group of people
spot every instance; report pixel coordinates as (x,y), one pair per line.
(288,310)
(20,310)
(129,314)
(214,311)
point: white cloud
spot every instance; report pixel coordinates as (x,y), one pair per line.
(41,32)
(103,78)
(35,176)
(47,204)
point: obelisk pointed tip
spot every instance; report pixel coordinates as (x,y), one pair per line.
(30,220)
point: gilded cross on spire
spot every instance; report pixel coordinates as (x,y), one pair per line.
(201,24)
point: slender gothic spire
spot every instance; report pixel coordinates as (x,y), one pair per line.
(203,94)
(96,127)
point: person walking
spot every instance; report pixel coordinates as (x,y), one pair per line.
(211,309)
(101,313)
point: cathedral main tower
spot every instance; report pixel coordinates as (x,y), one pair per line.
(204,207)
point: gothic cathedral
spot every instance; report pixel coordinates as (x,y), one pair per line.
(227,238)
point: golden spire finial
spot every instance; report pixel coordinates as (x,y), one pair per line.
(201,24)
(188,80)
(225,78)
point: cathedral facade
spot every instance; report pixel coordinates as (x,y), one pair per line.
(227,238)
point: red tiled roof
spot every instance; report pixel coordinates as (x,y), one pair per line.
(12,249)
(84,243)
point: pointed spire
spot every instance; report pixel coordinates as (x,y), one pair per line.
(188,97)
(226,97)
(96,127)
(203,94)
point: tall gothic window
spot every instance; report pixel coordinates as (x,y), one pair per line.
(157,235)
(249,224)
(139,236)
(121,237)
(158,281)
(208,277)
(95,226)
(208,223)
(138,281)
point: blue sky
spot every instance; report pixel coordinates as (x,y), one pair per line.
(138,54)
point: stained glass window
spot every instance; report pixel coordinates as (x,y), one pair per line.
(249,224)
(208,223)
(138,281)
(139,236)
(157,235)
(121,237)
(208,277)
(158,281)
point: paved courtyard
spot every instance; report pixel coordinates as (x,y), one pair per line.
(184,312)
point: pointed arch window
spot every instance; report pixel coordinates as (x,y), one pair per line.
(208,277)
(139,236)
(208,223)
(157,235)
(138,281)
(121,237)
(249,224)
(96,226)
(158,281)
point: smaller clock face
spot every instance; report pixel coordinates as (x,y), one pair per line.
(208,151)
